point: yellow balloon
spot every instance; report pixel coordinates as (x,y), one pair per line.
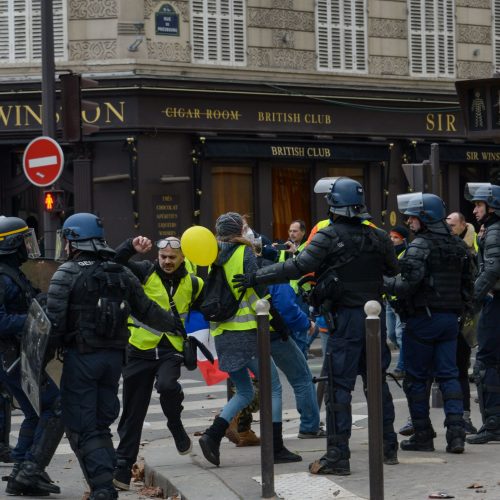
(199,245)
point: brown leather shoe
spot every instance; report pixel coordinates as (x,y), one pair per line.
(232,431)
(248,438)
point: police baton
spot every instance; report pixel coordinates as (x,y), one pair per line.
(374,397)
(265,400)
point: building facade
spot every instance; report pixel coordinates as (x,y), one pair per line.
(214,105)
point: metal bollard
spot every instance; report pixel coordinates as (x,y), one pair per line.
(374,397)
(265,399)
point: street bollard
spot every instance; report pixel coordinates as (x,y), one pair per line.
(265,399)
(374,397)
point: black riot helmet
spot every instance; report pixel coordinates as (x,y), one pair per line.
(486,192)
(344,195)
(17,237)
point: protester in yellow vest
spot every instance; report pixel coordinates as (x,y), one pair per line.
(236,342)
(154,358)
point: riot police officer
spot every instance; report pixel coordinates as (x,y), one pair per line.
(486,198)
(89,301)
(434,286)
(349,259)
(38,436)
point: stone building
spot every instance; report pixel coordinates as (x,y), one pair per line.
(214,105)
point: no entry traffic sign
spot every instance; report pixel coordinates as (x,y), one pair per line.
(43,161)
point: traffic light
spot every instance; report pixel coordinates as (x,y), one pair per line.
(53,201)
(72,107)
(480,103)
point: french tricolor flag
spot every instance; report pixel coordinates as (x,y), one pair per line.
(197,326)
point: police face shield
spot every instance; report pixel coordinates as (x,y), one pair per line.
(31,244)
(60,253)
(478,191)
(410,203)
(325,185)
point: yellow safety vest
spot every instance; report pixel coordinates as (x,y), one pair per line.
(144,337)
(245,317)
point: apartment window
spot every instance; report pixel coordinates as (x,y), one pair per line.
(341,38)
(496,33)
(432,37)
(20,30)
(218,32)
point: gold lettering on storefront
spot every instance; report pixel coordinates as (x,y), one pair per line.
(482,155)
(24,115)
(440,122)
(217,114)
(301,152)
(284,117)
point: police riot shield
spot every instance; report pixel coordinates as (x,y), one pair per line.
(34,344)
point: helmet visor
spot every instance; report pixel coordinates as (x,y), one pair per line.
(481,191)
(60,254)
(410,201)
(31,244)
(325,185)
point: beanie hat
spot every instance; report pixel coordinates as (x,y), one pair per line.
(400,231)
(229,224)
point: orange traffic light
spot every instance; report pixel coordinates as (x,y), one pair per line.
(53,201)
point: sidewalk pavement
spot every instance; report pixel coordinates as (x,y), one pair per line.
(416,477)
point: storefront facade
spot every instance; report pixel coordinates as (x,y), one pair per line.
(167,156)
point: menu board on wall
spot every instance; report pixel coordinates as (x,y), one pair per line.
(166,213)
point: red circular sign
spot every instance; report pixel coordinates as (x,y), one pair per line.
(43,161)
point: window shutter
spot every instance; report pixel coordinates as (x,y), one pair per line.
(496,33)
(432,37)
(218,32)
(341,35)
(20,30)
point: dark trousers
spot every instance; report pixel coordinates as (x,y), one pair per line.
(139,377)
(430,350)
(32,426)
(90,404)
(463,365)
(346,348)
(488,356)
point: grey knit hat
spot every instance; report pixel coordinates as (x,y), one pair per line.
(229,224)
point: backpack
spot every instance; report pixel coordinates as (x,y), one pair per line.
(219,303)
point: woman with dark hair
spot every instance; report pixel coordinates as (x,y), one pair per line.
(236,343)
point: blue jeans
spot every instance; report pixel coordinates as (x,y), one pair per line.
(395,332)
(244,391)
(430,347)
(32,426)
(292,363)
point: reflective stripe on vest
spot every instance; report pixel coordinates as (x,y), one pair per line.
(144,337)
(245,317)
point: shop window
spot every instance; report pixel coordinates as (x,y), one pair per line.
(291,198)
(20,30)
(432,37)
(232,190)
(341,35)
(218,33)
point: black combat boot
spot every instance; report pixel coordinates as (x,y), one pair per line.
(33,476)
(103,494)
(391,452)
(18,489)
(5,451)
(281,454)
(423,439)
(211,438)
(490,431)
(336,459)
(455,433)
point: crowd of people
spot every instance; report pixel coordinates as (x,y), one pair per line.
(114,315)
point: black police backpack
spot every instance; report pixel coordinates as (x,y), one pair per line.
(219,303)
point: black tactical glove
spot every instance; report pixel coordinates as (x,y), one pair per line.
(242,281)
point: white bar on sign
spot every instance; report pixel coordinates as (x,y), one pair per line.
(45,161)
